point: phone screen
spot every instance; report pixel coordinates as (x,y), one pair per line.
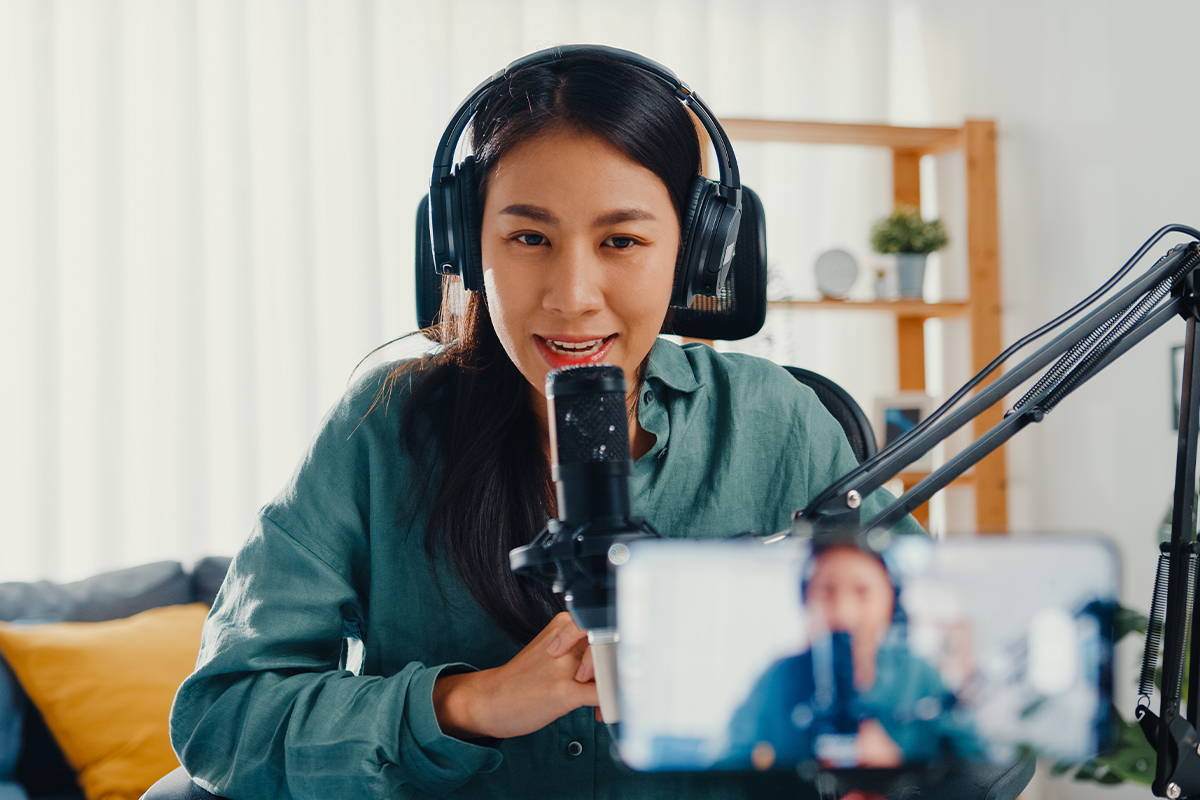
(738,655)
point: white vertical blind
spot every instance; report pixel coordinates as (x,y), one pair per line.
(207,213)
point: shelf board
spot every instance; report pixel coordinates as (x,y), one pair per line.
(920,140)
(913,478)
(901,308)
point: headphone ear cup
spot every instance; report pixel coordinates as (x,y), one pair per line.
(691,230)
(467,190)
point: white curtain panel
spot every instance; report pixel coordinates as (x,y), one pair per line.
(207,211)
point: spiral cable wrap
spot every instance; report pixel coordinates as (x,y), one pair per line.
(1129,320)
(1069,359)
(1185,624)
(1154,629)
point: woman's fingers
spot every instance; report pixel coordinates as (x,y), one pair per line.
(547,679)
(587,670)
(588,695)
(566,634)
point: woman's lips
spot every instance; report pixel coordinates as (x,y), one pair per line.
(573,353)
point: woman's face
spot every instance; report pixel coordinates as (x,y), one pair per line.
(579,246)
(851,591)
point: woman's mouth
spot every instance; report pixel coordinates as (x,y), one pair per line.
(563,352)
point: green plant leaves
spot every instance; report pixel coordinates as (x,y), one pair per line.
(1129,621)
(905,231)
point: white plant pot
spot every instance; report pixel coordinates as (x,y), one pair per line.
(910,275)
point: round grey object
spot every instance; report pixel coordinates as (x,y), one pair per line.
(835,270)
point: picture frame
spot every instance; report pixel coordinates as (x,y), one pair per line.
(897,414)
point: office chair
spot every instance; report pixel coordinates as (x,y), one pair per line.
(177,785)
(841,405)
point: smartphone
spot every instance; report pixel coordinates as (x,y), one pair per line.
(742,654)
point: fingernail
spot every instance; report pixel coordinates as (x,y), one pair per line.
(579,673)
(554,645)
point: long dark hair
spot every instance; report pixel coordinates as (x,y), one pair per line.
(495,490)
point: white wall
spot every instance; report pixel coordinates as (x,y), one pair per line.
(206,219)
(1096,138)
(1097,144)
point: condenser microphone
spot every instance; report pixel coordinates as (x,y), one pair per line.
(589,440)
(578,551)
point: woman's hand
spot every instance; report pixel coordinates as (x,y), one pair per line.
(550,677)
(875,747)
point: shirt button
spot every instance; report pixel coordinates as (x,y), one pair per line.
(574,749)
(648,396)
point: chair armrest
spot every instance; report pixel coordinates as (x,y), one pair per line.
(177,785)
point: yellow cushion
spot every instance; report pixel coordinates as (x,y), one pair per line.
(105,690)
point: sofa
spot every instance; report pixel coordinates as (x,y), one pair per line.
(32,764)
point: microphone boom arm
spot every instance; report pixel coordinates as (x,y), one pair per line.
(842,498)
(1013,422)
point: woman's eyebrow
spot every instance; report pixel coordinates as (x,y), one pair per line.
(623,215)
(536,213)
(540,214)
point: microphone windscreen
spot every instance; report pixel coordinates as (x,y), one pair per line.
(589,420)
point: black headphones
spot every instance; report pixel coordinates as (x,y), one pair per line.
(710,225)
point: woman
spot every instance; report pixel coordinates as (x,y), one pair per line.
(396,527)
(880,706)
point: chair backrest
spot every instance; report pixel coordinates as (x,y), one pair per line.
(841,405)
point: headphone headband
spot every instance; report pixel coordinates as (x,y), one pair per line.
(709,226)
(730,178)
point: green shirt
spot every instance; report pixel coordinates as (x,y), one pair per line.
(267,713)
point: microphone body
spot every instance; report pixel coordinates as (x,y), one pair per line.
(578,552)
(835,706)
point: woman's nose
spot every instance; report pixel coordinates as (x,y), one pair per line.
(841,613)
(575,287)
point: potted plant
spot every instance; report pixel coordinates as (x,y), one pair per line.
(1130,757)
(912,238)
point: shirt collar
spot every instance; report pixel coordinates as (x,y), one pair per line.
(670,365)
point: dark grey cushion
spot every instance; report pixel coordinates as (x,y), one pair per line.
(111,595)
(42,768)
(12,715)
(207,576)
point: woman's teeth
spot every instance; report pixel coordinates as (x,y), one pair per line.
(576,348)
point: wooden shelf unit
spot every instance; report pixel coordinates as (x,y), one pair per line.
(977,139)
(901,308)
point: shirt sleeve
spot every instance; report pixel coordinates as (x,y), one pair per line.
(267,712)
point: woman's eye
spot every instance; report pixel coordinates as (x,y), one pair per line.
(531,239)
(620,242)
